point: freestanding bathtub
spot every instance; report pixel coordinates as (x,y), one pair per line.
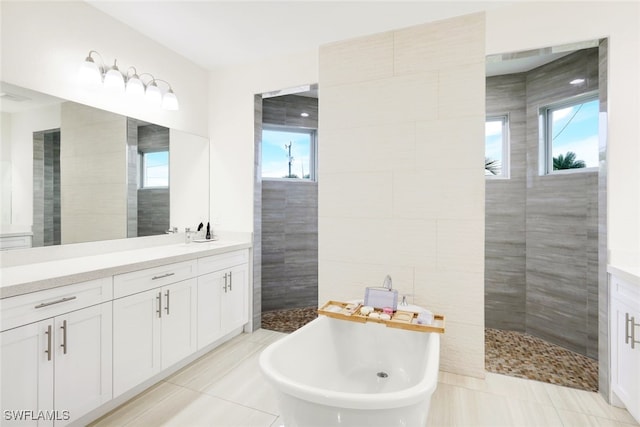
(334,372)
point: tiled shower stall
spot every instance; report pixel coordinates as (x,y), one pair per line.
(541,231)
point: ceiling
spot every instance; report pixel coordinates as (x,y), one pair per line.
(214,34)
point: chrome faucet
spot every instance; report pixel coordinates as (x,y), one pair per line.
(188,235)
(172,230)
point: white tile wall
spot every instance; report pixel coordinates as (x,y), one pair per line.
(93,174)
(357,60)
(401,181)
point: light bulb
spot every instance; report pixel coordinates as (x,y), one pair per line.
(153,95)
(135,88)
(89,72)
(170,101)
(113,80)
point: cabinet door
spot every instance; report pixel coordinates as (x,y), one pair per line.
(209,288)
(627,368)
(26,363)
(83,360)
(178,321)
(136,339)
(234,298)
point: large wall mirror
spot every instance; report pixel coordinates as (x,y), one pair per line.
(73,173)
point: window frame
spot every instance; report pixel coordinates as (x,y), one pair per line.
(506,143)
(313,146)
(546,129)
(142,167)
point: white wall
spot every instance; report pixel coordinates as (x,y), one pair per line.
(189,175)
(231,130)
(23,125)
(557,23)
(44,44)
(401,179)
(5,168)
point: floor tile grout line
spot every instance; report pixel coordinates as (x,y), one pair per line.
(204,393)
(241,404)
(236,363)
(132,401)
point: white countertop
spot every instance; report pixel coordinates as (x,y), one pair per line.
(35,277)
(628,274)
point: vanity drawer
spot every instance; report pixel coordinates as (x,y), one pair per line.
(150,278)
(28,308)
(222,261)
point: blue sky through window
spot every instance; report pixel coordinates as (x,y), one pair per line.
(575,129)
(156,169)
(275,156)
(493,139)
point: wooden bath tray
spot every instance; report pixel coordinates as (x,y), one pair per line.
(400,319)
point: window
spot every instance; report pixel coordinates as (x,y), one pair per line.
(154,169)
(496,148)
(570,132)
(288,153)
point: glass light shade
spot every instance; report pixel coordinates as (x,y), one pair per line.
(89,73)
(135,88)
(170,101)
(113,80)
(153,94)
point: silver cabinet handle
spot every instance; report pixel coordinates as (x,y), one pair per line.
(225,282)
(167,306)
(162,276)
(48,350)
(630,330)
(230,280)
(159,298)
(64,336)
(47,304)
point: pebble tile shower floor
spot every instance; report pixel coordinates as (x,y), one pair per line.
(506,352)
(524,356)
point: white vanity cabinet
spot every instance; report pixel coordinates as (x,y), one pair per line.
(154,322)
(625,343)
(222,295)
(61,361)
(70,353)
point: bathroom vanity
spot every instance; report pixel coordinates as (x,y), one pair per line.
(80,336)
(624,286)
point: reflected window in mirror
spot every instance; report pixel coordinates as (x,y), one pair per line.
(154,168)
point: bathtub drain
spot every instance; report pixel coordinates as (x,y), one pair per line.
(382,374)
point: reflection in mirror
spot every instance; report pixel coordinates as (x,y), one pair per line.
(73,173)
(147,179)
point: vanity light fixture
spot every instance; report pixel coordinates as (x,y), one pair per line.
(153,95)
(113,79)
(90,72)
(130,84)
(135,87)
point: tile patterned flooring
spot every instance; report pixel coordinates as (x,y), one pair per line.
(225,388)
